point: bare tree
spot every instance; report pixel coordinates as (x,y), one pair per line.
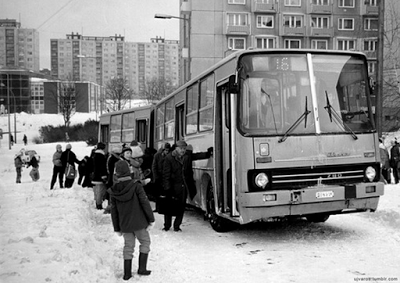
(156,89)
(63,96)
(391,66)
(117,94)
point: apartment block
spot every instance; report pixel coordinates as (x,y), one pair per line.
(219,27)
(99,59)
(19,47)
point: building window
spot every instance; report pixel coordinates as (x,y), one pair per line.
(346,44)
(237,19)
(320,2)
(371,67)
(292,43)
(346,3)
(265,21)
(371,2)
(236,43)
(346,24)
(320,22)
(371,24)
(370,45)
(293,21)
(292,2)
(319,44)
(236,1)
(265,42)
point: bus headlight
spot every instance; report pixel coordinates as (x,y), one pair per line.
(261,180)
(370,173)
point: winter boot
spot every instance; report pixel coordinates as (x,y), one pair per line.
(143,264)
(99,206)
(127,269)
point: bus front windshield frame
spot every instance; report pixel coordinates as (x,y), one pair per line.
(277,96)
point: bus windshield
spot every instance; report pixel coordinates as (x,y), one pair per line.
(278,92)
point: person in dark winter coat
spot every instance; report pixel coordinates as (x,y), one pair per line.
(68,157)
(132,217)
(178,179)
(18,166)
(57,168)
(395,160)
(25,140)
(113,158)
(99,174)
(35,168)
(157,170)
(385,164)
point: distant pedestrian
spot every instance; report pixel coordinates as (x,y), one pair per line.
(99,174)
(35,168)
(69,157)
(12,140)
(25,140)
(132,217)
(57,168)
(18,166)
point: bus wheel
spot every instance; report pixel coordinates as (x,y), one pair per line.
(218,223)
(319,217)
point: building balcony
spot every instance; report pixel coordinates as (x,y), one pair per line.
(231,30)
(321,32)
(370,54)
(264,7)
(370,10)
(300,31)
(320,9)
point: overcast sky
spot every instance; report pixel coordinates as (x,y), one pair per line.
(56,18)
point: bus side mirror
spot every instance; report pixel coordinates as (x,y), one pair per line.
(233,86)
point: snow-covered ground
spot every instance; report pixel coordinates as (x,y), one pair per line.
(59,236)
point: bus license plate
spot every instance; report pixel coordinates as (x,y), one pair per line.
(328,194)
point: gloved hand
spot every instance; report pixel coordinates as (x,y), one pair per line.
(119,234)
(151,225)
(210,151)
(146,181)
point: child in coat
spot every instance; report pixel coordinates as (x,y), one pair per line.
(132,217)
(18,166)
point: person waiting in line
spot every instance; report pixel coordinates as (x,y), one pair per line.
(132,217)
(57,168)
(394,160)
(178,180)
(157,170)
(99,174)
(69,157)
(113,158)
(385,166)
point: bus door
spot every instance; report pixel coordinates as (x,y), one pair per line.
(179,121)
(222,154)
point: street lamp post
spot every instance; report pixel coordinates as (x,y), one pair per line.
(186,36)
(8,114)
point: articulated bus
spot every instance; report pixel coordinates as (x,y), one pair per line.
(292,130)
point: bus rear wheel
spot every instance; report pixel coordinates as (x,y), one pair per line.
(218,223)
(317,218)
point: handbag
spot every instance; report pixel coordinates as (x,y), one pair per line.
(168,205)
(70,172)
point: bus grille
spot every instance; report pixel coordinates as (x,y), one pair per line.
(297,178)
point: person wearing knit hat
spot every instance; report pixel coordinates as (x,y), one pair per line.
(99,174)
(57,168)
(136,161)
(69,157)
(112,159)
(132,217)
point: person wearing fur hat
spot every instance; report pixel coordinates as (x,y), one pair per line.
(57,168)
(132,217)
(178,180)
(99,174)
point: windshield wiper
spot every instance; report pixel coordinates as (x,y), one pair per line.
(332,113)
(297,123)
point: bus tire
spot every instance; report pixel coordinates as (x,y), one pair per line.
(317,218)
(218,223)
